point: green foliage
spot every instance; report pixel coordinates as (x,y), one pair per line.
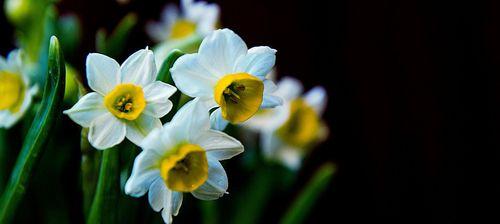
(302,205)
(33,146)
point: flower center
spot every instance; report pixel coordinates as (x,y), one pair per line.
(239,96)
(125,101)
(186,169)
(11,91)
(302,127)
(182,28)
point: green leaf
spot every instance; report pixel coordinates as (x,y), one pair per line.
(300,208)
(164,73)
(38,134)
(105,203)
(165,76)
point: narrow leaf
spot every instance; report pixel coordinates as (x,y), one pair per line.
(302,205)
(38,134)
(104,205)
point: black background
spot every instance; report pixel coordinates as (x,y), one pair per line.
(413,96)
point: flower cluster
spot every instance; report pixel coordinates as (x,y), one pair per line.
(222,82)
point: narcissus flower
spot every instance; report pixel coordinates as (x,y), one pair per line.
(182,157)
(127,101)
(195,18)
(15,90)
(290,131)
(226,74)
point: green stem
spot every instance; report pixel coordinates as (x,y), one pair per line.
(209,212)
(254,197)
(300,208)
(3,158)
(89,169)
(104,205)
(38,134)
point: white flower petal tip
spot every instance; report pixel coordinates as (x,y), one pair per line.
(317,98)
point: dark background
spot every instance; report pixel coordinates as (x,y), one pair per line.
(413,97)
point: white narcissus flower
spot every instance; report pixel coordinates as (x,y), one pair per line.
(226,74)
(289,131)
(195,17)
(182,157)
(127,101)
(15,90)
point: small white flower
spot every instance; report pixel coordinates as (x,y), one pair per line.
(15,91)
(226,74)
(287,132)
(127,100)
(183,156)
(195,17)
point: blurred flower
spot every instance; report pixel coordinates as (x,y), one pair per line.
(289,131)
(128,102)
(226,74)
(183,156)
(196,17)
(14,88)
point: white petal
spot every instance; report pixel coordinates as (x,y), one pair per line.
(217,122)
(14,60)
(191,120)
(192,78)
(290,157)
(289,88)
(159,195)
(144,172)
(269,143)
(106,131)
(219,145)
(102,73)
(270,101)
(208,19)
(216,184)
(139,128)
(259,61)
(7,119)
(316,98)
(87,109)
(139,68)
(176,202)
(157,102)
(219,51)
(157,31)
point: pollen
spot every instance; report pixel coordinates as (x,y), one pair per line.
(302,126)
(182,28)
(239,96)
(185,169)
(11,90)
(125,101)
